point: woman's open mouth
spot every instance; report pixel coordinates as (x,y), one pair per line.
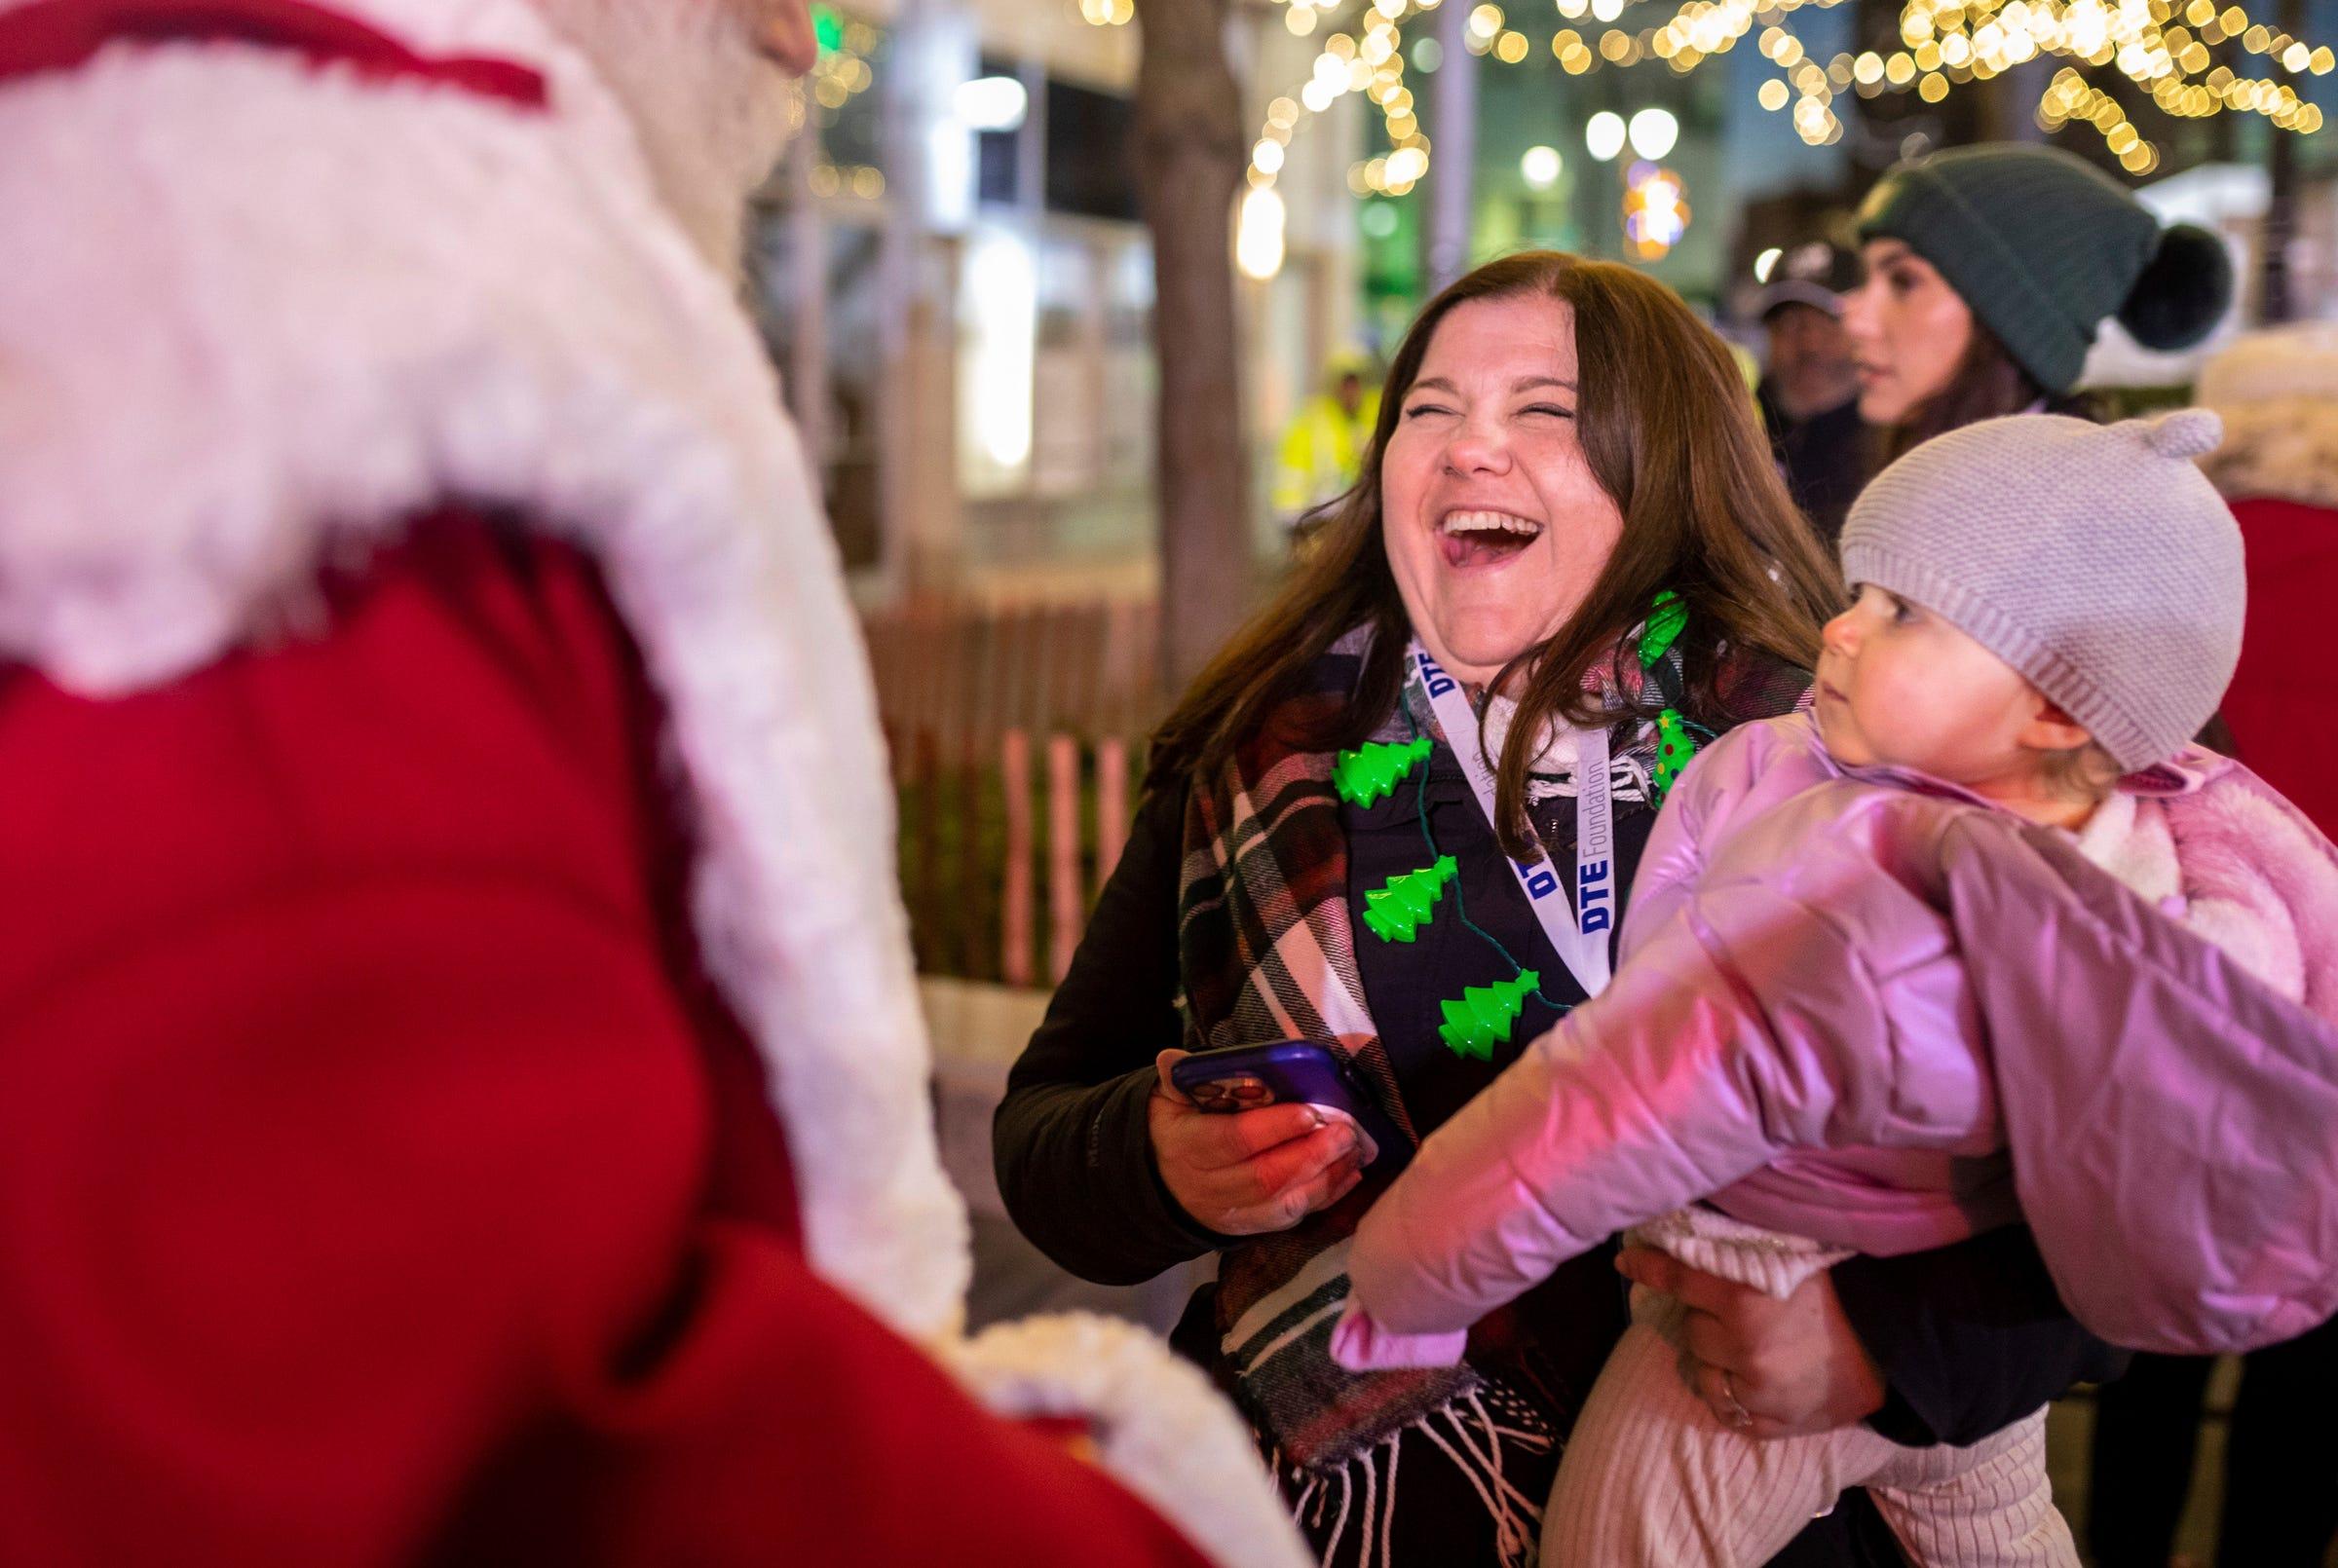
(1484,538)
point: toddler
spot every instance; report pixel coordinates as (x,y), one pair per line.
(1872,996)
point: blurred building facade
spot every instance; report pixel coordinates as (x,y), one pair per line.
(957,285)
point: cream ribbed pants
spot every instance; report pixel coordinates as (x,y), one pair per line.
(1652,1480)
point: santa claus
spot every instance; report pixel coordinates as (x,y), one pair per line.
(462,1096)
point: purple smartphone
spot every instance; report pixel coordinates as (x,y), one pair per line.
(1247,1078)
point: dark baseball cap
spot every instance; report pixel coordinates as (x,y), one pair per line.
(1816,274)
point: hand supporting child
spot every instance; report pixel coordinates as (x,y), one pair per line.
(1793,1365)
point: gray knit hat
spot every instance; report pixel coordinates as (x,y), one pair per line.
(2098,561)
(2042,247)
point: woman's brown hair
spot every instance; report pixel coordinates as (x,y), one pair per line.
(1986,383)
(1670,433)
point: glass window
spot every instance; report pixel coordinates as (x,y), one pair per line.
(1088,140)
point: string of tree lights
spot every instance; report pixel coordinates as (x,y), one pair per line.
(2194,58)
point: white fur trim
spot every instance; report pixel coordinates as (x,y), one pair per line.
(251,314)
(2222,899)
(1160,1428)
(2284,450)
(2277,393)
(2261,941)
(2264,889)
(2296,360)
(2128,837)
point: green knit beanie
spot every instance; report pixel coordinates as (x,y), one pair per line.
(2042,247)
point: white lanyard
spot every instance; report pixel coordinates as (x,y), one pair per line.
(1579,935)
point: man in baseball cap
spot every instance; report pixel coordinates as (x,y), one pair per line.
(1809,394)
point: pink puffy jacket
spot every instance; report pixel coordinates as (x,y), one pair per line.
(1869,1009)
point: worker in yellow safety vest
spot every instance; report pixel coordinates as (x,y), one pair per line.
(1323,447)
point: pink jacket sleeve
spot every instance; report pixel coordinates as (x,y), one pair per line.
(1694,1070)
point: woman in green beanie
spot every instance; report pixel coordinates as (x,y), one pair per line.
(1990,270)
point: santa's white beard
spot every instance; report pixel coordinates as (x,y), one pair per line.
(712,111)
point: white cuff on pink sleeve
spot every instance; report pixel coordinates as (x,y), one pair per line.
(1362,1345)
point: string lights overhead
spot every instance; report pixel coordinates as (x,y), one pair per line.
(2170,47)
(2164,46)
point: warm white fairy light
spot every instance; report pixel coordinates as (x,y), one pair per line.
(1605,134)
(2164,46)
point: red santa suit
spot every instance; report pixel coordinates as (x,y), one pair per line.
(462,1094)
(2277,392)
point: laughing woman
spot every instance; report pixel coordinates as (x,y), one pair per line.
(1571,511)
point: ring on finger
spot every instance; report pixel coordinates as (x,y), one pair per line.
(1733,1410)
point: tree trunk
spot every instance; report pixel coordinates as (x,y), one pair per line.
(1191,154)
(2273,301)
(1453,177)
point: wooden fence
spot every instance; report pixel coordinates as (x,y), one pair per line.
(1003,850)
(1015,735)
(975,670)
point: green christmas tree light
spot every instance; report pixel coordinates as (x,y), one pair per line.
(1675,746)
(1372,771)
(1484,1016)
(1665,618)
(827,29)
(1399,910)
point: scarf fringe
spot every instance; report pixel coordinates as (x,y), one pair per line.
(1466,1430)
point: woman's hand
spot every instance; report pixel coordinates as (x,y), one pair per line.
(1791,1367)
(1248,1171)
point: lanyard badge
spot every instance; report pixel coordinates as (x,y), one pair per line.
(1579,933)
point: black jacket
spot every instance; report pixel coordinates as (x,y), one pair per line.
(1824,458)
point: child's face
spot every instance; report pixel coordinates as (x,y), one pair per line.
(1900,687)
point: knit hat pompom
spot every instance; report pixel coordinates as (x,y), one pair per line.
(2183,291)
(2098,561)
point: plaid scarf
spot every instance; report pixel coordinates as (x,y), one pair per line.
(1266,952)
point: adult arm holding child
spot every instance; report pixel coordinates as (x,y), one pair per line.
(1667,1088)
